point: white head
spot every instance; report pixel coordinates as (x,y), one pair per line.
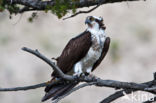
(94,22)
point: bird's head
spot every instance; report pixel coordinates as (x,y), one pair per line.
(95,22)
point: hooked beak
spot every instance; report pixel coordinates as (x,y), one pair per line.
(87,21)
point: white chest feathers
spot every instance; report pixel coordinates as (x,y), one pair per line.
(94,53)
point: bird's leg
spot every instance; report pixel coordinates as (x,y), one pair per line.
(76,77)
(82,75)
(78,69)
(88,73)
(93,77)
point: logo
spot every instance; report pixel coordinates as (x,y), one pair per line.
(138,96)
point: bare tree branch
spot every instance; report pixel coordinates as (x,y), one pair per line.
(120,93)
(24,88)
(128,87)
(48,61)
(22,10)
(151,89)
(82,12)
(98,81)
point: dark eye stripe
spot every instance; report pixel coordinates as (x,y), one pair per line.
(91,18)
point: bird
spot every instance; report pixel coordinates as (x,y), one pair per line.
(82,54)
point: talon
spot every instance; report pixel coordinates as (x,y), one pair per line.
(82,75)
(76,77)
(92,76)
(86,73)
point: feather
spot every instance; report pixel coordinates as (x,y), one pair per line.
(103,54)
(74,51)
(58,90)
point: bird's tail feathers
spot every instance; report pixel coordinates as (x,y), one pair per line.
(58,90)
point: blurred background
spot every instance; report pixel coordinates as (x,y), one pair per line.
(131,58)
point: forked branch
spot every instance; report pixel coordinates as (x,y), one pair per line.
(127,87)
(48,61)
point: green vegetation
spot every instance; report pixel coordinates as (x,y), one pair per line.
(60,9)
(11,8)
(1,5)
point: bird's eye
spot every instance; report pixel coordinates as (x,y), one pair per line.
(91,19)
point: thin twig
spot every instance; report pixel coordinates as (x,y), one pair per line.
(82,12)
(29,87)
(24,88)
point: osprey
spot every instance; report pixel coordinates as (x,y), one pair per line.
(81,55)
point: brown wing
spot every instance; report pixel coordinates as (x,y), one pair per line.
(104,52)
(74,51)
